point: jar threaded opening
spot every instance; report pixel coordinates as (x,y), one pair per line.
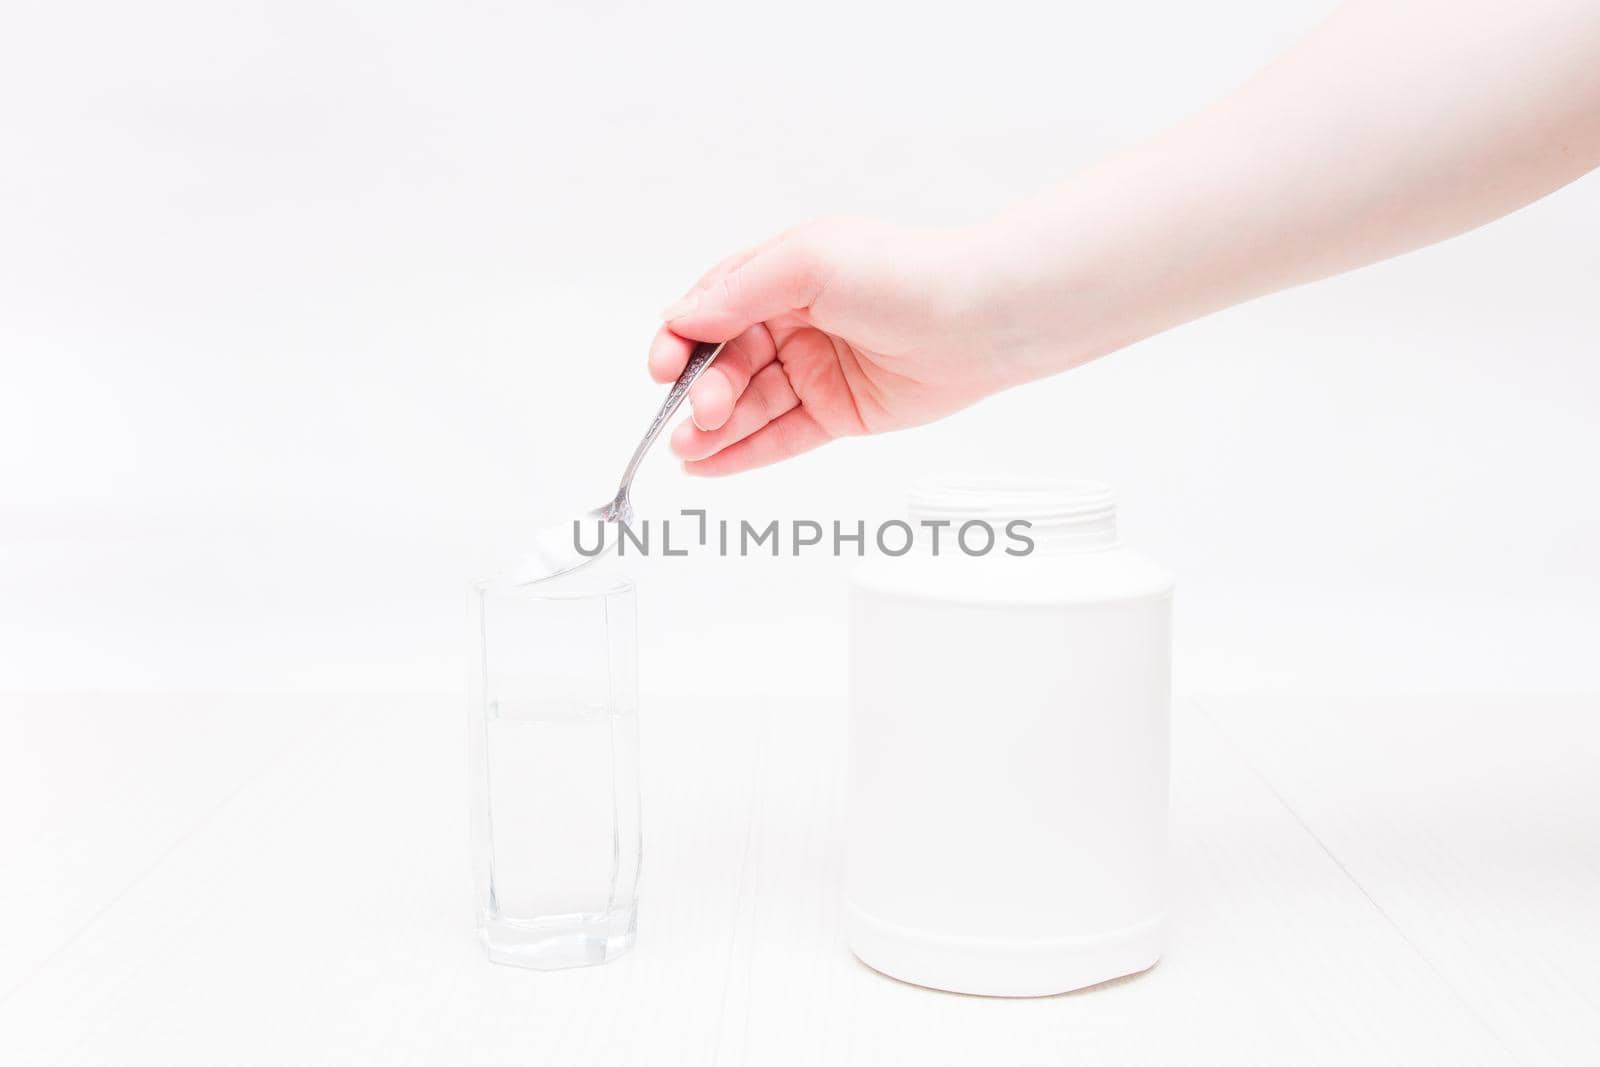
(1063,512)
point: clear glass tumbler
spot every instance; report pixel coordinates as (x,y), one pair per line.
(555,770)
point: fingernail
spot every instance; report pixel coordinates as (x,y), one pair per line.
(694,416)
(680,309)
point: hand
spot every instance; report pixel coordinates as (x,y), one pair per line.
(836,328)
(847,327)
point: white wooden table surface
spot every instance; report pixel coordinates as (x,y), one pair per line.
(233,881)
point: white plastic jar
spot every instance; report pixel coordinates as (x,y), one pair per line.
(1007,811)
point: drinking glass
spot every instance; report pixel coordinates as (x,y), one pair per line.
(555,770)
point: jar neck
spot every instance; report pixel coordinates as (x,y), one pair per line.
(1062,516)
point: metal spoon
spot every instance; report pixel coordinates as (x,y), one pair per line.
(555,547)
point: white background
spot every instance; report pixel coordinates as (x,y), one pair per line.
(309,311)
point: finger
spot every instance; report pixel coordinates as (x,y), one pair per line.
(740,258)
(786,436)
(785,278)
(726,264)
(712,398)
(669,354)
(769,397)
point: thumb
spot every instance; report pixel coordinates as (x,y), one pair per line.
(786,277)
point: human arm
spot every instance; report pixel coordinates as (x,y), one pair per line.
(1389,127)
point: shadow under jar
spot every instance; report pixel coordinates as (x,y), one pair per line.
(555,770)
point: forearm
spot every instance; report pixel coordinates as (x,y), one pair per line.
(1394,125)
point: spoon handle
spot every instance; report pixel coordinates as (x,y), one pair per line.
(699,360)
